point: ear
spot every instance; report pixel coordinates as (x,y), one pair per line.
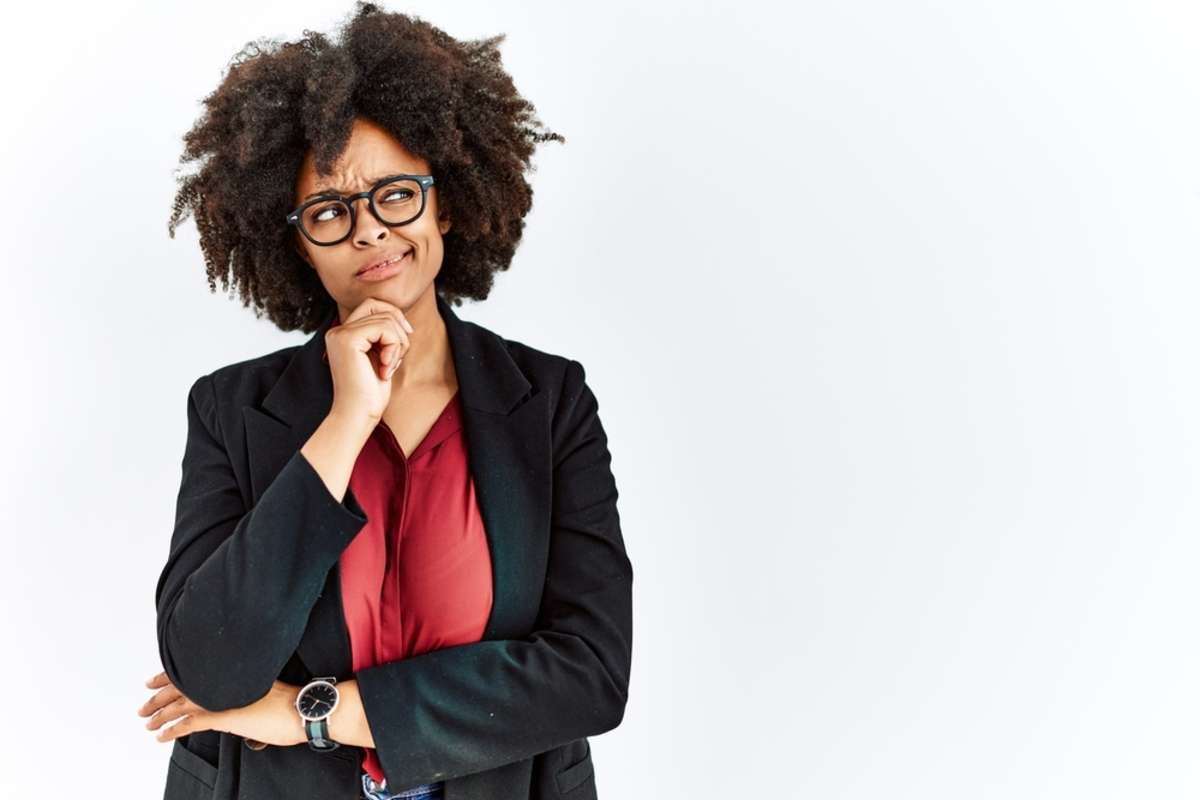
(444,224)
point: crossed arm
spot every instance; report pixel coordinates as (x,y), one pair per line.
(270,720)
(234,598)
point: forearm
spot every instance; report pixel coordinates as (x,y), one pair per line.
(238,587)
(333,449)
(473,707)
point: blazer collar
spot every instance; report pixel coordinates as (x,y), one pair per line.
(489,380)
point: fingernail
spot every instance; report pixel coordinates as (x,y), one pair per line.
(408,325)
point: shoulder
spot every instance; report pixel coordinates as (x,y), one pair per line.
(572,405)
(244,381)
(561,376)
(574,409)
(538,365)
(253,377)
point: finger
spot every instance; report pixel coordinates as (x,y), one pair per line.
(391,354)
(384,330)
(160,699)
(173,710)
(376,331)
(158,680)
(181,728)
(395,317)
(404,329)
(379,336)
(373,305)
(392,369)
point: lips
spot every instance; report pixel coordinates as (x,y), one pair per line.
(383,262)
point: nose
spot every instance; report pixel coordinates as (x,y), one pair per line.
(367,226)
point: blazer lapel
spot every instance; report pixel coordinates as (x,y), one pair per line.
(507,428)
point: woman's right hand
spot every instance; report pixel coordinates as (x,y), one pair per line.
(364,351)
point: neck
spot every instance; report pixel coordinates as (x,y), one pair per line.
(429,361)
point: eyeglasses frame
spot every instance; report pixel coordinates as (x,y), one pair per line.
(293,218)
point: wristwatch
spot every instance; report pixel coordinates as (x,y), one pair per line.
(315,702)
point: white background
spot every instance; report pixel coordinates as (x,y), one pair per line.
(895,343)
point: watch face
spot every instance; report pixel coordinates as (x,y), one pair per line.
(317,701)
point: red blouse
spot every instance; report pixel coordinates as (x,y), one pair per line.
(418,576)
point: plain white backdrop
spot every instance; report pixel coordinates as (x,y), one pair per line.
(891,312)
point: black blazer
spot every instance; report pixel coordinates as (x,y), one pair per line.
(250,592)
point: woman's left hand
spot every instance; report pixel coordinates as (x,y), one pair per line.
(272,719)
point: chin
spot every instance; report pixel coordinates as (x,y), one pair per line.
(393,292)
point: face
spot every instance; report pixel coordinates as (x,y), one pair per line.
(373,153)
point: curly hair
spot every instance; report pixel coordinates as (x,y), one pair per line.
(449,102)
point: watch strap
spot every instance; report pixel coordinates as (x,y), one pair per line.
(318,735)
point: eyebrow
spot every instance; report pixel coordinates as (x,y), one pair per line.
(335,190)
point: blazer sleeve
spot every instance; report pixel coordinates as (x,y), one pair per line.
(472,707)
(235,594)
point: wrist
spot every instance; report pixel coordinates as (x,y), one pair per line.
(295,720)
(333,449)
(350,423)
(316,702)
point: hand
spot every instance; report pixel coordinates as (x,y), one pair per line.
(272,719)
(364,351)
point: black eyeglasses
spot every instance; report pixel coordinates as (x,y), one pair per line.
(329,218)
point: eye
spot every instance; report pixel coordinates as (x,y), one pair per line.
(322,215)
(404,194)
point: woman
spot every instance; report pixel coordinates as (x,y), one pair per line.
(397,568)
